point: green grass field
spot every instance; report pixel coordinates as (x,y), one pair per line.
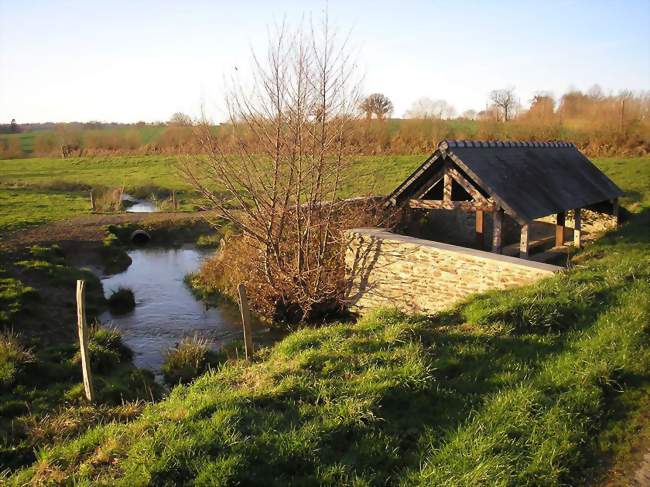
(532,386)
(38,190)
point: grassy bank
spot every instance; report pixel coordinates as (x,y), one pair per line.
(508,388)
(41,394)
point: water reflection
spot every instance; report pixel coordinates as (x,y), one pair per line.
(165,309)
(139,206)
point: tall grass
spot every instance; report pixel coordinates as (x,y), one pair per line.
(13,357)
(190,358)
(121,301)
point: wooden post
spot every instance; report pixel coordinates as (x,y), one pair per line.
(497,225)
(616,211)
(93,206)
(83,341)
(246,321)
(524,249)
(480,236)
(577,228)
(559,229)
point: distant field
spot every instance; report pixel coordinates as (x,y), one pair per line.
(130,171)
(147,134)
(44,189)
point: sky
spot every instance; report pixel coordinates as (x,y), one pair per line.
(126,61)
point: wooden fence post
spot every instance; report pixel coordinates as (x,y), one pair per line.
(246,321)
(93,206)
(83,340)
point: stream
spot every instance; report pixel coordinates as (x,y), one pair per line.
(138,205)
(166,311)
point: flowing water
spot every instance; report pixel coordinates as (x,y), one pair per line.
(165,310)
(139,206)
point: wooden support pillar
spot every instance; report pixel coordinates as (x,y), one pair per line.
(577,228)
(480,234)
(497,227)
(524,247)
(559,229)
(616,211)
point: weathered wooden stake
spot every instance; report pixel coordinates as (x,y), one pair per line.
(93,206)
(616,211)
(524,251)
(577,228)
(83,340)
(497,224)
(480,236)
(246,321)
(559,229)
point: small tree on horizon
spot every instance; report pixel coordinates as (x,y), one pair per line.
(427,108)
(180,119)
(376,104)
(505,101)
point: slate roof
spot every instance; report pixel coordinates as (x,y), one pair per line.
(527,179)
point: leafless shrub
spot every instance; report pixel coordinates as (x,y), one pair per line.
(291,141)
(10,148)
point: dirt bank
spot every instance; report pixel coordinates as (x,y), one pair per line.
(86,228)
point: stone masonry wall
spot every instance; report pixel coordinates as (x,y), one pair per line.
(390,270)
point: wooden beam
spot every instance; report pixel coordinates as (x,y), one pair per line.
(467,186)
(524,242)
(559,229)
(446,191)
(480,233)
(392,198)
(577,229)
(431,182)
(497,227)
(450,205)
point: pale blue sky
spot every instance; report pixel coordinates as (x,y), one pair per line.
(130,60)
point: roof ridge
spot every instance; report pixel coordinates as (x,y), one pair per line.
(451,143)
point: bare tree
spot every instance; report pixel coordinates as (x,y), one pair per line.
(180,119)
(378,105)
(427,108)
(279,178)
(542,107)
(505,101)
(469,114)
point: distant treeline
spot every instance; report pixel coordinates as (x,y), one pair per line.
(599,125)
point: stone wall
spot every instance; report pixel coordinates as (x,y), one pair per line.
(426,276)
